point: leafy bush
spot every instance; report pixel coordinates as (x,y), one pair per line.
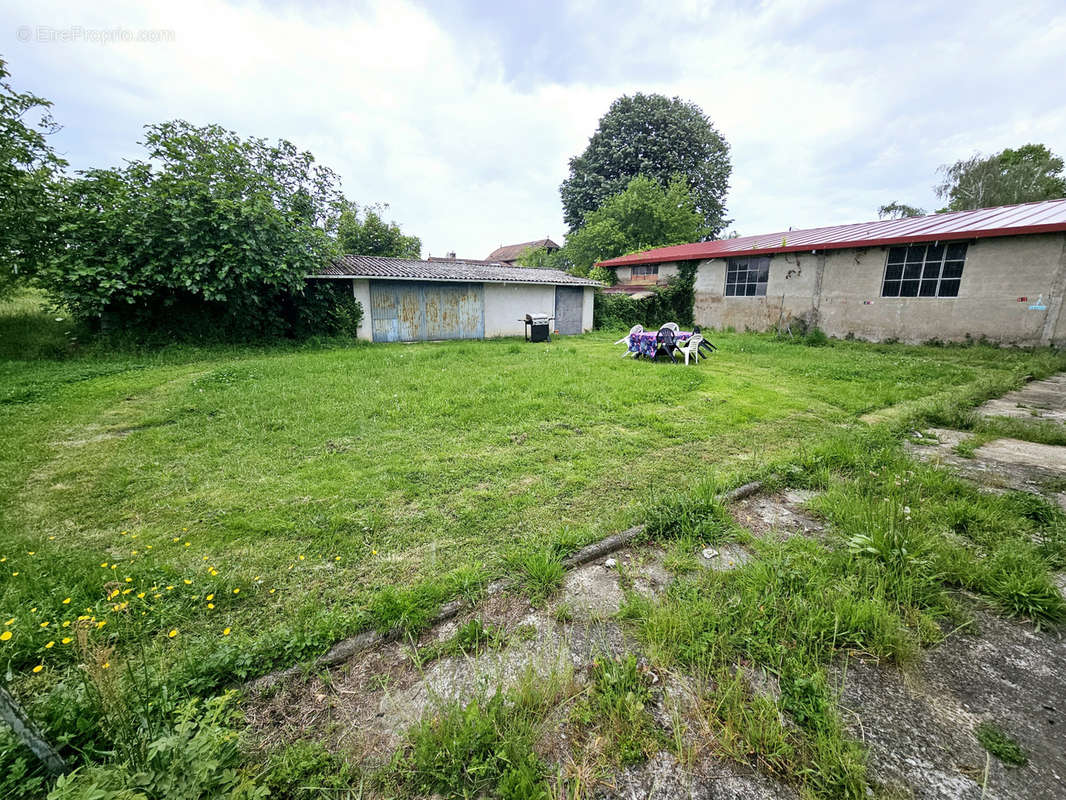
(211,231)
(674,302)
(196,759)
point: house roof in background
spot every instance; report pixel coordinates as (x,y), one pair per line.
(1046,216)
(449,270)
(509,252)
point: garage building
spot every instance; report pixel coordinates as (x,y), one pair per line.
(997,273)
(406,300)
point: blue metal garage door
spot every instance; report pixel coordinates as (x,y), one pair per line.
(568,303)
(408,311)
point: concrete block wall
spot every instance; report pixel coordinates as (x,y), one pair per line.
(840,291)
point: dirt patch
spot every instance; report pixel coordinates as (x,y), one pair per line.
(780,515)
(919,725)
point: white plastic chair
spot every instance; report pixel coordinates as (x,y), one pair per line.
(627,340)
(691,346)
(671,325)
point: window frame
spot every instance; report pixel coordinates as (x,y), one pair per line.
(646,270)
(911,272)
(747,266)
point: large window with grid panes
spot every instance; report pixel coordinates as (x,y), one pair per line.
(924,270)
(747,277)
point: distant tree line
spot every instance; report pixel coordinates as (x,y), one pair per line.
(1023,175)
(208,232)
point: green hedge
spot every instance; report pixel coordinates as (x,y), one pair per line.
(674,302)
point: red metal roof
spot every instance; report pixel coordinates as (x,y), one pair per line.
(1046,216)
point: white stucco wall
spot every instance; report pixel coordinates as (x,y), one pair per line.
(361,292)
(586,309)
(507,303)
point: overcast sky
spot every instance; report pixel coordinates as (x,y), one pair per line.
(461,114)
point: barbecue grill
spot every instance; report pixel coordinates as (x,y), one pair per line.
(537,327)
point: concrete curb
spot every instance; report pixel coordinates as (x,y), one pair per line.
(346,648)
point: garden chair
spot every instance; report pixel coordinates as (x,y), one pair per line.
(628,340)
(672,326)
(711,347)
(691,347)
(664,340)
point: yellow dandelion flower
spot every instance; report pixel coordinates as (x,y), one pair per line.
(272,591)
(14,574)
(210,597)
(49,646)
(176,538)
(113,566)
(30,552)
(210,605)
(170,588)
(33,610)
(374,552)
(5,636)
(2,560)
(134,552)
(187,582)
(257,577)
(38,668)
(106,665)
(148,547)
(104,564)
(10,621)
(140,595)
(236,591)
(127,591)
(301,558)
(185,529)
(124,532)
(67,640)
(187,544)
(50,538)
(173,633)
(214,573)
(83,617)
(66,602)
(338,558)
(129,579)
(66,623)
(101,623)
(225,631)
(44,624)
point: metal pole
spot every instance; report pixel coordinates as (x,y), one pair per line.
(28,733)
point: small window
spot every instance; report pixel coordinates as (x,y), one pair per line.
(924,270)
(644,271)
(747,277)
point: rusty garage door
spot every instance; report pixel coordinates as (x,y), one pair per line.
(568,302)
(407,311)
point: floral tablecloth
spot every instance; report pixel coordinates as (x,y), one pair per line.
(643,344)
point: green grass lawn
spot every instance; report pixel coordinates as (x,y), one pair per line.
(264,502)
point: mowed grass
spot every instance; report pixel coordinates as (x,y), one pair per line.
(236,509)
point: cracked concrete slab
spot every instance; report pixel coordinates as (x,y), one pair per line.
(780,515)
(1041,400)
(998,465)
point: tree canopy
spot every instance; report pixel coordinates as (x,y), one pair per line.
(1022,175)
(644,215)
(28,168)
(896,210)
(207,217)
(656,137)
(370,235)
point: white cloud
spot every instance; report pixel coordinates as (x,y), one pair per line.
(831,108)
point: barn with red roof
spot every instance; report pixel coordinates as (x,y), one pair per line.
(995,273)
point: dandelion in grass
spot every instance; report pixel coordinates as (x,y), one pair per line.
(66,640)
(210,597)
(104,564)
(66,602)
(66,623)
(188,544)
(173,633)
(236,591)
(45,624)
(170,588)
(30,552)
(301,558)
(10,622)
(101,623)
(210,605)
(38,668)
(14,574)
(225,631)
(272,591)
(176,539)
(187,582)
(50,645)
(140,595)
(106,665)
(5,636)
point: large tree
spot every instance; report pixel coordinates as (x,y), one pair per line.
(1031,172)
(369,235)
(207,220)
(28,169)
(895,210)
(645,215)
(657,137)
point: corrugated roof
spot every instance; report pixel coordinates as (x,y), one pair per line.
(1047,216)
(451,270)
(509,252)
